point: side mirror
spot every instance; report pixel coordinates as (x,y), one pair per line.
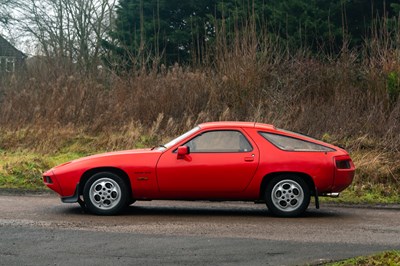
(182,151)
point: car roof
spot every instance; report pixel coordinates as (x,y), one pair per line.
(263,127)
(222,124)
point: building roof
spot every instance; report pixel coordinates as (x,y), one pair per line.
(7,49)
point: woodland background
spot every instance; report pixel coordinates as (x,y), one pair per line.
(105,75)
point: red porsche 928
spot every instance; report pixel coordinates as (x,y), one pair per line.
(243,161)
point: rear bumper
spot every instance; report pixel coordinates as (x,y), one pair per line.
(344,173)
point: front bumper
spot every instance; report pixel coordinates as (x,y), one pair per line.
(51,181)
(72,199)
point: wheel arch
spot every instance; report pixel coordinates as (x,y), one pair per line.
(117,171)
(269,177)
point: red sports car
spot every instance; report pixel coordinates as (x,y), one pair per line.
(213,161)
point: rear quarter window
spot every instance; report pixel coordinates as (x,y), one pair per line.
(293,144)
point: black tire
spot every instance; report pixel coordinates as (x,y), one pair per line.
(105,193)
(287,195)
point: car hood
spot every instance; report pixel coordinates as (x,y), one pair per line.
(107,155)
(117,153)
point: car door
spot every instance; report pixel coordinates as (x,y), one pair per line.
(219,161)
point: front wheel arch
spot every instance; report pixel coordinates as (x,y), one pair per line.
(105,193)
(119,172)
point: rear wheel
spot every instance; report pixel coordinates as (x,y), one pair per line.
(287,195)
(105,193)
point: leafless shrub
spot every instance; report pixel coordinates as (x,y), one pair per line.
(342,98)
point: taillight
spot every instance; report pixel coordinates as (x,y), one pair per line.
(343,164)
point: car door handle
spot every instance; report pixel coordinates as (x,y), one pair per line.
(249,159)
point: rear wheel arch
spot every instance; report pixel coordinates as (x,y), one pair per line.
(117,171)
(269,177)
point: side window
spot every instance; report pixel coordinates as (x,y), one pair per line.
(292,144)
(220,141)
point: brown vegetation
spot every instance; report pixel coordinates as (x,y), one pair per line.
(346,98)
(351,100)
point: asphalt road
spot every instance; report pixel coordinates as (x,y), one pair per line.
(40,230)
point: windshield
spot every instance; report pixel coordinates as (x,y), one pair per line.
(178,139)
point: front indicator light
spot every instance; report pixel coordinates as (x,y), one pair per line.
(47,180)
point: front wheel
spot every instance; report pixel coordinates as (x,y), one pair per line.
(105,193)
(287,195)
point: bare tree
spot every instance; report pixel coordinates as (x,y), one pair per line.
(5,15)
(68,29)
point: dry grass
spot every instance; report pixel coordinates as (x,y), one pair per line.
(377,178)
(391,257)
(351,99)
(338,98)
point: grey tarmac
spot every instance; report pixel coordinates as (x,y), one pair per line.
(40,230)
